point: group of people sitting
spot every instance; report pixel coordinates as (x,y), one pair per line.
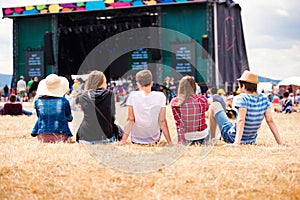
(146,120)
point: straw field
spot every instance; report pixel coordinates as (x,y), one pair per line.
(33,170)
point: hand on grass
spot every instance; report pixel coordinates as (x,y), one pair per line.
(119,143)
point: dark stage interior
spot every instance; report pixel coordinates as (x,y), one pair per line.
(81,32)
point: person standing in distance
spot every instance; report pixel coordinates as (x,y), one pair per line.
(21,88)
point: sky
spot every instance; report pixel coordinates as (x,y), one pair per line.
(271,31)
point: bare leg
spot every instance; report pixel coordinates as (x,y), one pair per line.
(212,124)
(215,107)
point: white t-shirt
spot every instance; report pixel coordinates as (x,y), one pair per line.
(21,85)
(146,110)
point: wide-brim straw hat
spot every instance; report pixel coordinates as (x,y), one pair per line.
(249,77)
(53,85)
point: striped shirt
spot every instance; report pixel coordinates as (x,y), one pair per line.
(190,116)
(256,107)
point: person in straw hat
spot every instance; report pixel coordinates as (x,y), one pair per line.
(251,108)
(53,110)
(146,113)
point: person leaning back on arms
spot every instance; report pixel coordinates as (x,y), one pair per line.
(146,113)
(252,108)
(14,108)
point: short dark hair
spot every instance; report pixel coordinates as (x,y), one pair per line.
(286,94)
(251,87)
(12,98)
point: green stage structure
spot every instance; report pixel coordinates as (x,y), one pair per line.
(203,38)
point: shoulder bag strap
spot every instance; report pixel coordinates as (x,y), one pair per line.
(99,111)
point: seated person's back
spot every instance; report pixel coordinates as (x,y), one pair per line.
(12,108)
(146,111)
(287,105)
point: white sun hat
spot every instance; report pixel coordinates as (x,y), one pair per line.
(53,85)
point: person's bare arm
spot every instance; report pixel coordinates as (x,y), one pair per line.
(164,125)
(240,124)
(129,125)
(272,126)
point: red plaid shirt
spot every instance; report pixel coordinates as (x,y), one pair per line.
(190,116)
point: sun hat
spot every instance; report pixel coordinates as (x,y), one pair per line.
(144,77)
(53,85)
(249,77)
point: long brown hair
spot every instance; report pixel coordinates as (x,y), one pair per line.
(186,88)
(95,79)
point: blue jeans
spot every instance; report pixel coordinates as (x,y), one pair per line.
(108,140)
(228,132)
(25,112)
(225,125)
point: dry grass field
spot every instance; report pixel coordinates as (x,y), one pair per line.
(33,170)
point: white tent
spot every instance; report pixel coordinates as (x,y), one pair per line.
(294,80)
(265,86)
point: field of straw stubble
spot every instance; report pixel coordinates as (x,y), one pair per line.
(32,170)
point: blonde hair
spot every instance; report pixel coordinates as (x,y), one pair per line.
(95,79)
(186,88)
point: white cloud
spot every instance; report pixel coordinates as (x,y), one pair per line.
(282,12)
(272,30)
(6,54)
(276,63)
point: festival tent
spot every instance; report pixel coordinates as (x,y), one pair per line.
(265,86)
(294,80)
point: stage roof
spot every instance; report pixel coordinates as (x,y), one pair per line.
(53,8)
